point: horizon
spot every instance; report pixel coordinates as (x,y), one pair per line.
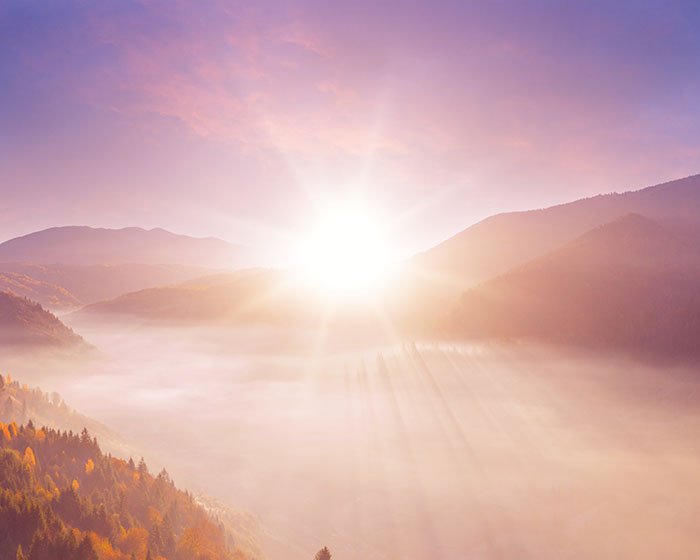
(407,255)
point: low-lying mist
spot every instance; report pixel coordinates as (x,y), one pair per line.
(407,449)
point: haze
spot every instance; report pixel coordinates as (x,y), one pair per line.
(432,450)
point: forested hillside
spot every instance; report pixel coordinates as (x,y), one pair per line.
(62,498)
(50,296)
(20,403)
(26,323)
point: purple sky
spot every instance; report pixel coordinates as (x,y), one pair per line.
(234,118)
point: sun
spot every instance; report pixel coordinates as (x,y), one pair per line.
(346,252)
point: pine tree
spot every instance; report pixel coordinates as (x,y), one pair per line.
(323,554)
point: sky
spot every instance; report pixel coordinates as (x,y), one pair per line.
(241,119)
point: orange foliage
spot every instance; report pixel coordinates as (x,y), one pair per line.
(201,541)
(89,466)
(104,549)
(135,542)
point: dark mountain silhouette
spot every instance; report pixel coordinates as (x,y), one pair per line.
(85,245)
(629,285)
(47,294)
(92,283)
(501,242)
(23,321)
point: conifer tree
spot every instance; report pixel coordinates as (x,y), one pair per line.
(323,554)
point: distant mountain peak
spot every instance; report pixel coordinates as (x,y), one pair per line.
(504,241)
(85,245)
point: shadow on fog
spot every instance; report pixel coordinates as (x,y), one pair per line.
(406,450)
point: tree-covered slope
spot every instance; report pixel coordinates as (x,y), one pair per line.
(20,403)
(62,498)
(47,294)
(25,322)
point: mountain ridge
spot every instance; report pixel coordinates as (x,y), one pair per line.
(629,286)
(25,322)
(499,242)
(86,245)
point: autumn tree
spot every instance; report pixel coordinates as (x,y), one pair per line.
(29,460)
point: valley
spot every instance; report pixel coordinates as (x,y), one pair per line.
(407,447)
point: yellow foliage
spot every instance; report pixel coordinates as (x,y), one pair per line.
(75,486)
(89,466)
(13,429)
(6,432)
(29,460)
(40,435)
(44,493)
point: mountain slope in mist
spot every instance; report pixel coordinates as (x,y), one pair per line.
(92,283)
(20,403)
(89,246)
(61,497)
(24,322)
(47,294)
(630,285)
(503,241)
(246,295)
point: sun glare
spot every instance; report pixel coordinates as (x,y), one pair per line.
(347,252)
